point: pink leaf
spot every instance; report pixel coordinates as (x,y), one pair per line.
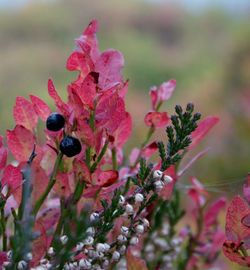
(62,185)
(20,142)
(202,130)
(233,253)
(12,177)
(156,119)
(87,91)
(246,189)
(41,108)
(109,66)
(62,107)
(123,131)
(166,90)
(79,61)
(107,178)
(110,111)
(149,150)
(212,212)
(3,154)
(235,230)
(24,113)
(135,263)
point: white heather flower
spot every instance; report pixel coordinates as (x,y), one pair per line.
(167,258)
(122,249)
(90,231)
(149,248)
(29,256)
(105,264)
(121,200)
(85,264)
(129,209)
(139,197)
(134,240)
(139,229)
(165,229)
(79,246)
(22,265)
(125,230)
(91,253)
(64,239)
(89,241)
(158,185)
(51,251)
(121,238)
(161,243)
(107,247)
(44,261)
(99,254)
(145,222)
(177,249)
(94,217)
(167,179)
(157,174)
(116,256)
(9,254)
(176,241)
(150,256)
(100,247)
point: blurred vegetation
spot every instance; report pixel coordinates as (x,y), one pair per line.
(207,52)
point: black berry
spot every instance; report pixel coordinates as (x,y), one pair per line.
(70,146)
(55,122)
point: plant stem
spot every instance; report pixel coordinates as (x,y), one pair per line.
(99,158)
(52,182)
(3,225)
(114,160)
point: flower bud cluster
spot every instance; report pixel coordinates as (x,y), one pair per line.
(160,180)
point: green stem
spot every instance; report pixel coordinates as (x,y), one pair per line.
(114,160)
(3,225)
(99,158)
(52,182)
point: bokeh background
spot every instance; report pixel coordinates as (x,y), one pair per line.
(203,44)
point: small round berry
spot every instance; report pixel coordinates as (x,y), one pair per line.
(55,122)
(70,146)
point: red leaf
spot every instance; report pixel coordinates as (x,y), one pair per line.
(12,177)
(232,252)
(81,171)
(43,224)
(20,142)
(235,230)
(62,185)
(109,66)
(3,154)
(110,111)
(39,181)
(87,91)
(79,61)
(156,119)
(24,113)
(149,150)
(202,130)
(41,108)
(135,263)
(212,212)
(62,107)
(107,178)
(123,131)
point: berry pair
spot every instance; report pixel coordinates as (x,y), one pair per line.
(69,146)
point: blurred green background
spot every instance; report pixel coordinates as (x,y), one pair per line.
(204,45)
